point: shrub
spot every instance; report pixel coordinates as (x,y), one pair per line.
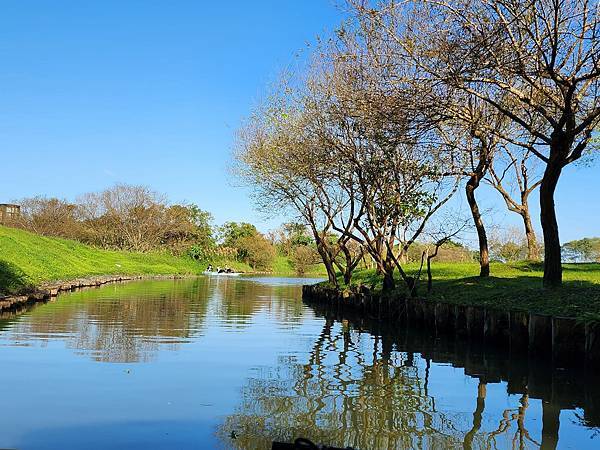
(303,257)
(257,251)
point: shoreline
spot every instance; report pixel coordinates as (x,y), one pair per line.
(564,388)
(48,291)
(565,341)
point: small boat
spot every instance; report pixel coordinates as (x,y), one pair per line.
(214,273)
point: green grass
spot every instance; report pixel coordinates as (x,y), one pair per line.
(282,266)
(28,260)
(515,286)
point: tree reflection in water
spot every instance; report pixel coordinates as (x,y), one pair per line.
(131,322)
(350,381)
(119,323)
(357,390)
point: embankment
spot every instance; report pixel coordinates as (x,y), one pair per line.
(35,268)
(46,292)
(563,341)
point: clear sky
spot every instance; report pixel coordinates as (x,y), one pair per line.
(151,92)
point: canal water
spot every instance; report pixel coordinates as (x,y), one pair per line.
(238,363)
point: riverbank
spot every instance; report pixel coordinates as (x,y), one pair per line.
(29,261)
(46,292)
(34,268)
(512,312)
(515,286)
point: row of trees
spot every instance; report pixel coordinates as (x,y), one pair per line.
(122,217)
(410,102)
(135,218)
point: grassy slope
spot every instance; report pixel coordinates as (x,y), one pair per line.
(512,286)
(27,259)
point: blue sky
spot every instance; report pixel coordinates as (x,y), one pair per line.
(151,92)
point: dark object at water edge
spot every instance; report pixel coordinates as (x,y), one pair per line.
(303,444)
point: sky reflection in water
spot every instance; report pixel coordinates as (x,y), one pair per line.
(236,363)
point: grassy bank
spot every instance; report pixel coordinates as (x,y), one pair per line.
(512,286)
(283,267)
(28,260)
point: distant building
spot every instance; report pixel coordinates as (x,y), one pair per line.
(9,212)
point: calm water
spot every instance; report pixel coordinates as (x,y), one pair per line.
(228,363)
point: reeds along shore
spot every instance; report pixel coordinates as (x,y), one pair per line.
(562,341)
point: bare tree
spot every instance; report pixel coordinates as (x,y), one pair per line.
(274,155)
(49,217)
(514,176)
(467,131)
(536,62)
(370,123)
(124,216)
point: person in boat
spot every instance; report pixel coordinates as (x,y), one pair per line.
(220,270)
(229,270)
(209,268)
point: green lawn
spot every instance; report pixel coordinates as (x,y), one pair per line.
(282,266)
(27,259)
(515,286)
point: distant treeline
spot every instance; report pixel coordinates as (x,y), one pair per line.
(136,218)
(123,217)
(582,250)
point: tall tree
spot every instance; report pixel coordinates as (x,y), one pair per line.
(274,155)
(536,62)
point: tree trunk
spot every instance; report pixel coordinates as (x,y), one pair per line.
(331,275)
(388,275)
(552,256)
(388,281)
(484,254)
(550,426)
(347,276)
(477,416)
(351,264)
(533,252)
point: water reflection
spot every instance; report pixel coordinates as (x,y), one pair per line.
(238,363)
(371,387)
(132,322)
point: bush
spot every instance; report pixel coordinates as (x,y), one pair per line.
(508,245)
(449,252)
(123,217)
(49,217)
(303,257)
(257,251)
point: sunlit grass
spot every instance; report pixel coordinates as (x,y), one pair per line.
(27,259)
(282,266)
(516,286)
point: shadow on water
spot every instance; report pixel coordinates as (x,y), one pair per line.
(368,385)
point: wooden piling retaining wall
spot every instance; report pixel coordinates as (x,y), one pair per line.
(558,388)
(50,291)
(564,341)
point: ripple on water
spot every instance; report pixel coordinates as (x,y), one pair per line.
(191,363)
